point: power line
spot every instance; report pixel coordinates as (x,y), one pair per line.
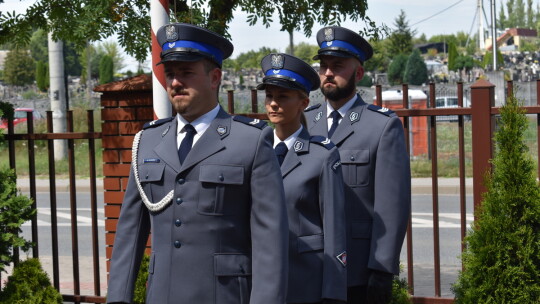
(440,12)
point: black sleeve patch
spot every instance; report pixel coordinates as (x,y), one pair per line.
(381,110)
(313,107)
(257,123)
(323,141)
(156,123)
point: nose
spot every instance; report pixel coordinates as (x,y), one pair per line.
(328,72)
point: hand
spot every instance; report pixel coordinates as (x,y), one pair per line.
(379,287)
(332,301)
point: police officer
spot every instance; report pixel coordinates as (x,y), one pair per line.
(313,183)
(375,165)
(208,186)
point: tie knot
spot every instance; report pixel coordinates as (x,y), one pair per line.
(335,115)
(281,149)
(189,129)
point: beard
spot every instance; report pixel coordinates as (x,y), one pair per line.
(339,93)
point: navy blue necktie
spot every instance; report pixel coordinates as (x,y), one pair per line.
(281,151)
(335,122)
(187,142)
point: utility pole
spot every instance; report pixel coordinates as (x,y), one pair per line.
(481,38)
(494,34)
(57,94)
(291,43)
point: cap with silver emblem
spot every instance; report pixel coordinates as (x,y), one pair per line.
(290,72)
(342,42)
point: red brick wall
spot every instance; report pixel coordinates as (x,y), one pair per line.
(126,106)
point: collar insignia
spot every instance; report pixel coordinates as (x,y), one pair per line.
(318,116)
(298,145)
(328,34)
(221,130)
(277,61)
(170,32)
(353,117)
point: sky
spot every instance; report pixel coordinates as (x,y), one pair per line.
(432,17)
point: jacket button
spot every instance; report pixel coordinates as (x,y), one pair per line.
(177,244)
(179,200)
(352,158)
(178,222)
(221,178)
(181,181)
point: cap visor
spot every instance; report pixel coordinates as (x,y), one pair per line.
(332,53)
(190,57)
(280,83)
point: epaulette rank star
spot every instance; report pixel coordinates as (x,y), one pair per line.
(381,110)
(323,141)
(156,123)
(257,123)
(313,107)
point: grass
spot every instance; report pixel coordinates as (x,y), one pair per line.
(447,150)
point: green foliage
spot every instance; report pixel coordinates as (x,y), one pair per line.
(29,284)
(400,293)
(488,59)
(366,81)
(15,209)
(416,69)
(464,62)
(250,59)
(396,70)
(39,48)
(381,59)
(94,20)
(139,295)
(452,56)
(502,259)
(401,37)
(305,51)
(19,68)
(42,76)
(106,68)
(110,48)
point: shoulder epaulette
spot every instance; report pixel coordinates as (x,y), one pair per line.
(257,123)
(313,107)
(156,123)
(323,141)
(384,111)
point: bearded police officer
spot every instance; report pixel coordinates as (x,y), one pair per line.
(375,165)
(208,186)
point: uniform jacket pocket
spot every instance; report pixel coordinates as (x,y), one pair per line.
(310,243)
(150,176)
(355,166)
(233,278)
(217,182)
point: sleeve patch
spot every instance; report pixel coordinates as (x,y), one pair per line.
(313,107)
(323,141)
(156,123)
(257,123)
(381,110)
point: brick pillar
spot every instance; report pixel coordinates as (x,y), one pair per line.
(126,106)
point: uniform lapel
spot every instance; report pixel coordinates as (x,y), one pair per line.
(292,160)
(319,123)
(167,146)
(345,129)
(210,142)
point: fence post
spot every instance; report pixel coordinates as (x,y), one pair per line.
(482,100)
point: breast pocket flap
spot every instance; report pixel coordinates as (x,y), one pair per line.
(151,172)
(310,243)
(232,265)
(222,174)
(354,156)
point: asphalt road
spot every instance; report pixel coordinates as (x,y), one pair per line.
(422,234)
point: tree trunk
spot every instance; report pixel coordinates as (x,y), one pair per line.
(57,95)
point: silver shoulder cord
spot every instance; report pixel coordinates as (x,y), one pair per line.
(151,206)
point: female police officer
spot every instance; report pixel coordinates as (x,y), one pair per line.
(312,179)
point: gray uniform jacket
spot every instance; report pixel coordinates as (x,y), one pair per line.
(223,237)
(376,171)
(316,210)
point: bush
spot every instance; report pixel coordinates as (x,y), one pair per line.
(106,69)
(502,259)
(29,284)
(400,292)
(415,70)
(139,296)
(396,69)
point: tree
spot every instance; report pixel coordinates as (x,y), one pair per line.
(79,21)
(452,56)
(106,69)
(305,51)
(401,37)
(396,70)
(502,258)
(250,59)
(488,59)
(110,48)
(416,69)
(19,68)
(42,76)
(381,59)
(464,62)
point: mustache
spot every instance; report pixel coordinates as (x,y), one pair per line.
(329,81)
(179,92)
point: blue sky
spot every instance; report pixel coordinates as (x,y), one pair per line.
(451,16)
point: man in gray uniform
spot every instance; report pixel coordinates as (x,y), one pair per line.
(208,186)
(375,165)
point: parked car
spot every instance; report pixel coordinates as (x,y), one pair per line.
(450,102)
(20,117)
